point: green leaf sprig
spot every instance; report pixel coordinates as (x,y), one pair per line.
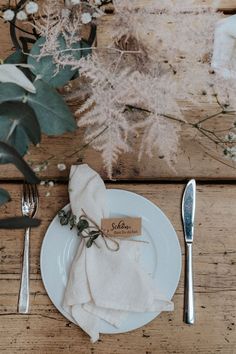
(87,229)
(67,218)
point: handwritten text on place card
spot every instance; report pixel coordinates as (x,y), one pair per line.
(122,227)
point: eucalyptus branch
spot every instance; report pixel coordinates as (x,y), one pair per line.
(20,29)
(13,27)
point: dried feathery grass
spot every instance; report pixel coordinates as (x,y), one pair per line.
(157,56)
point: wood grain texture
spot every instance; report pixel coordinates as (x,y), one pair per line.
(46,331)
(196,156)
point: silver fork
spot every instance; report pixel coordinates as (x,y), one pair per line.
(29,207)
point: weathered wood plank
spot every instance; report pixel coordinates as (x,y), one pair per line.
(196,157)
(215,244)
(46,331)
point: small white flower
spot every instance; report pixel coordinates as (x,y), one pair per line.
(231,137)
(32,7)
(21,15)
(65,13)
(41,167)
(86,18)
(61,167)
(96,15)
(75,2)
(42,183)
(98,2)
(51,183)
(8,15)
(36,169)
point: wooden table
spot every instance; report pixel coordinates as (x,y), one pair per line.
(45,330)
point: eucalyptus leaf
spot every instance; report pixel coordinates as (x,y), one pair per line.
(63,217)
(89,242)
(19,125)
(45,68)
(72,221)
(20,222)
(16,58)
(94,234)
(82,225)
(52,113)
(86,48)
(11,92)
(11,74)
(4,196)
(9,155)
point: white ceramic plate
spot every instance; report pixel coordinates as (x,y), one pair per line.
(161,256)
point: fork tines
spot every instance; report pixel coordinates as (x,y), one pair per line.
(29,199)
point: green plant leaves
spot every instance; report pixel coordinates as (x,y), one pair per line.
(20,222)
(45,67)
(53,115)
(19,125)
(82,225)
(11,74)
(11,92)
(51,110)
(9,155)
(17,57)
(86,48)
(4,196)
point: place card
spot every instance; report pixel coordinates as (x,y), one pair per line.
(122,227)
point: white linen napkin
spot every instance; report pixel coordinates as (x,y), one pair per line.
(224,54)
(104,285)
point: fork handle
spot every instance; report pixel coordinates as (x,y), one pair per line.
(23,302)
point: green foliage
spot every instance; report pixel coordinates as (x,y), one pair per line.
(9,155)
(4,196)
(82,225)
(17,57)
(24,115)
(53,115)
(51,110)
(11,92)
(19,125)
(47,70)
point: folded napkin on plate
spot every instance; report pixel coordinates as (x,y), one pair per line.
(104,285)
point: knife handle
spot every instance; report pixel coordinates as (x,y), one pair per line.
(189,315)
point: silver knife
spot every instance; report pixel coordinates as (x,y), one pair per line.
(188,215)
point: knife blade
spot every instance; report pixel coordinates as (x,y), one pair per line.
(188,216)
